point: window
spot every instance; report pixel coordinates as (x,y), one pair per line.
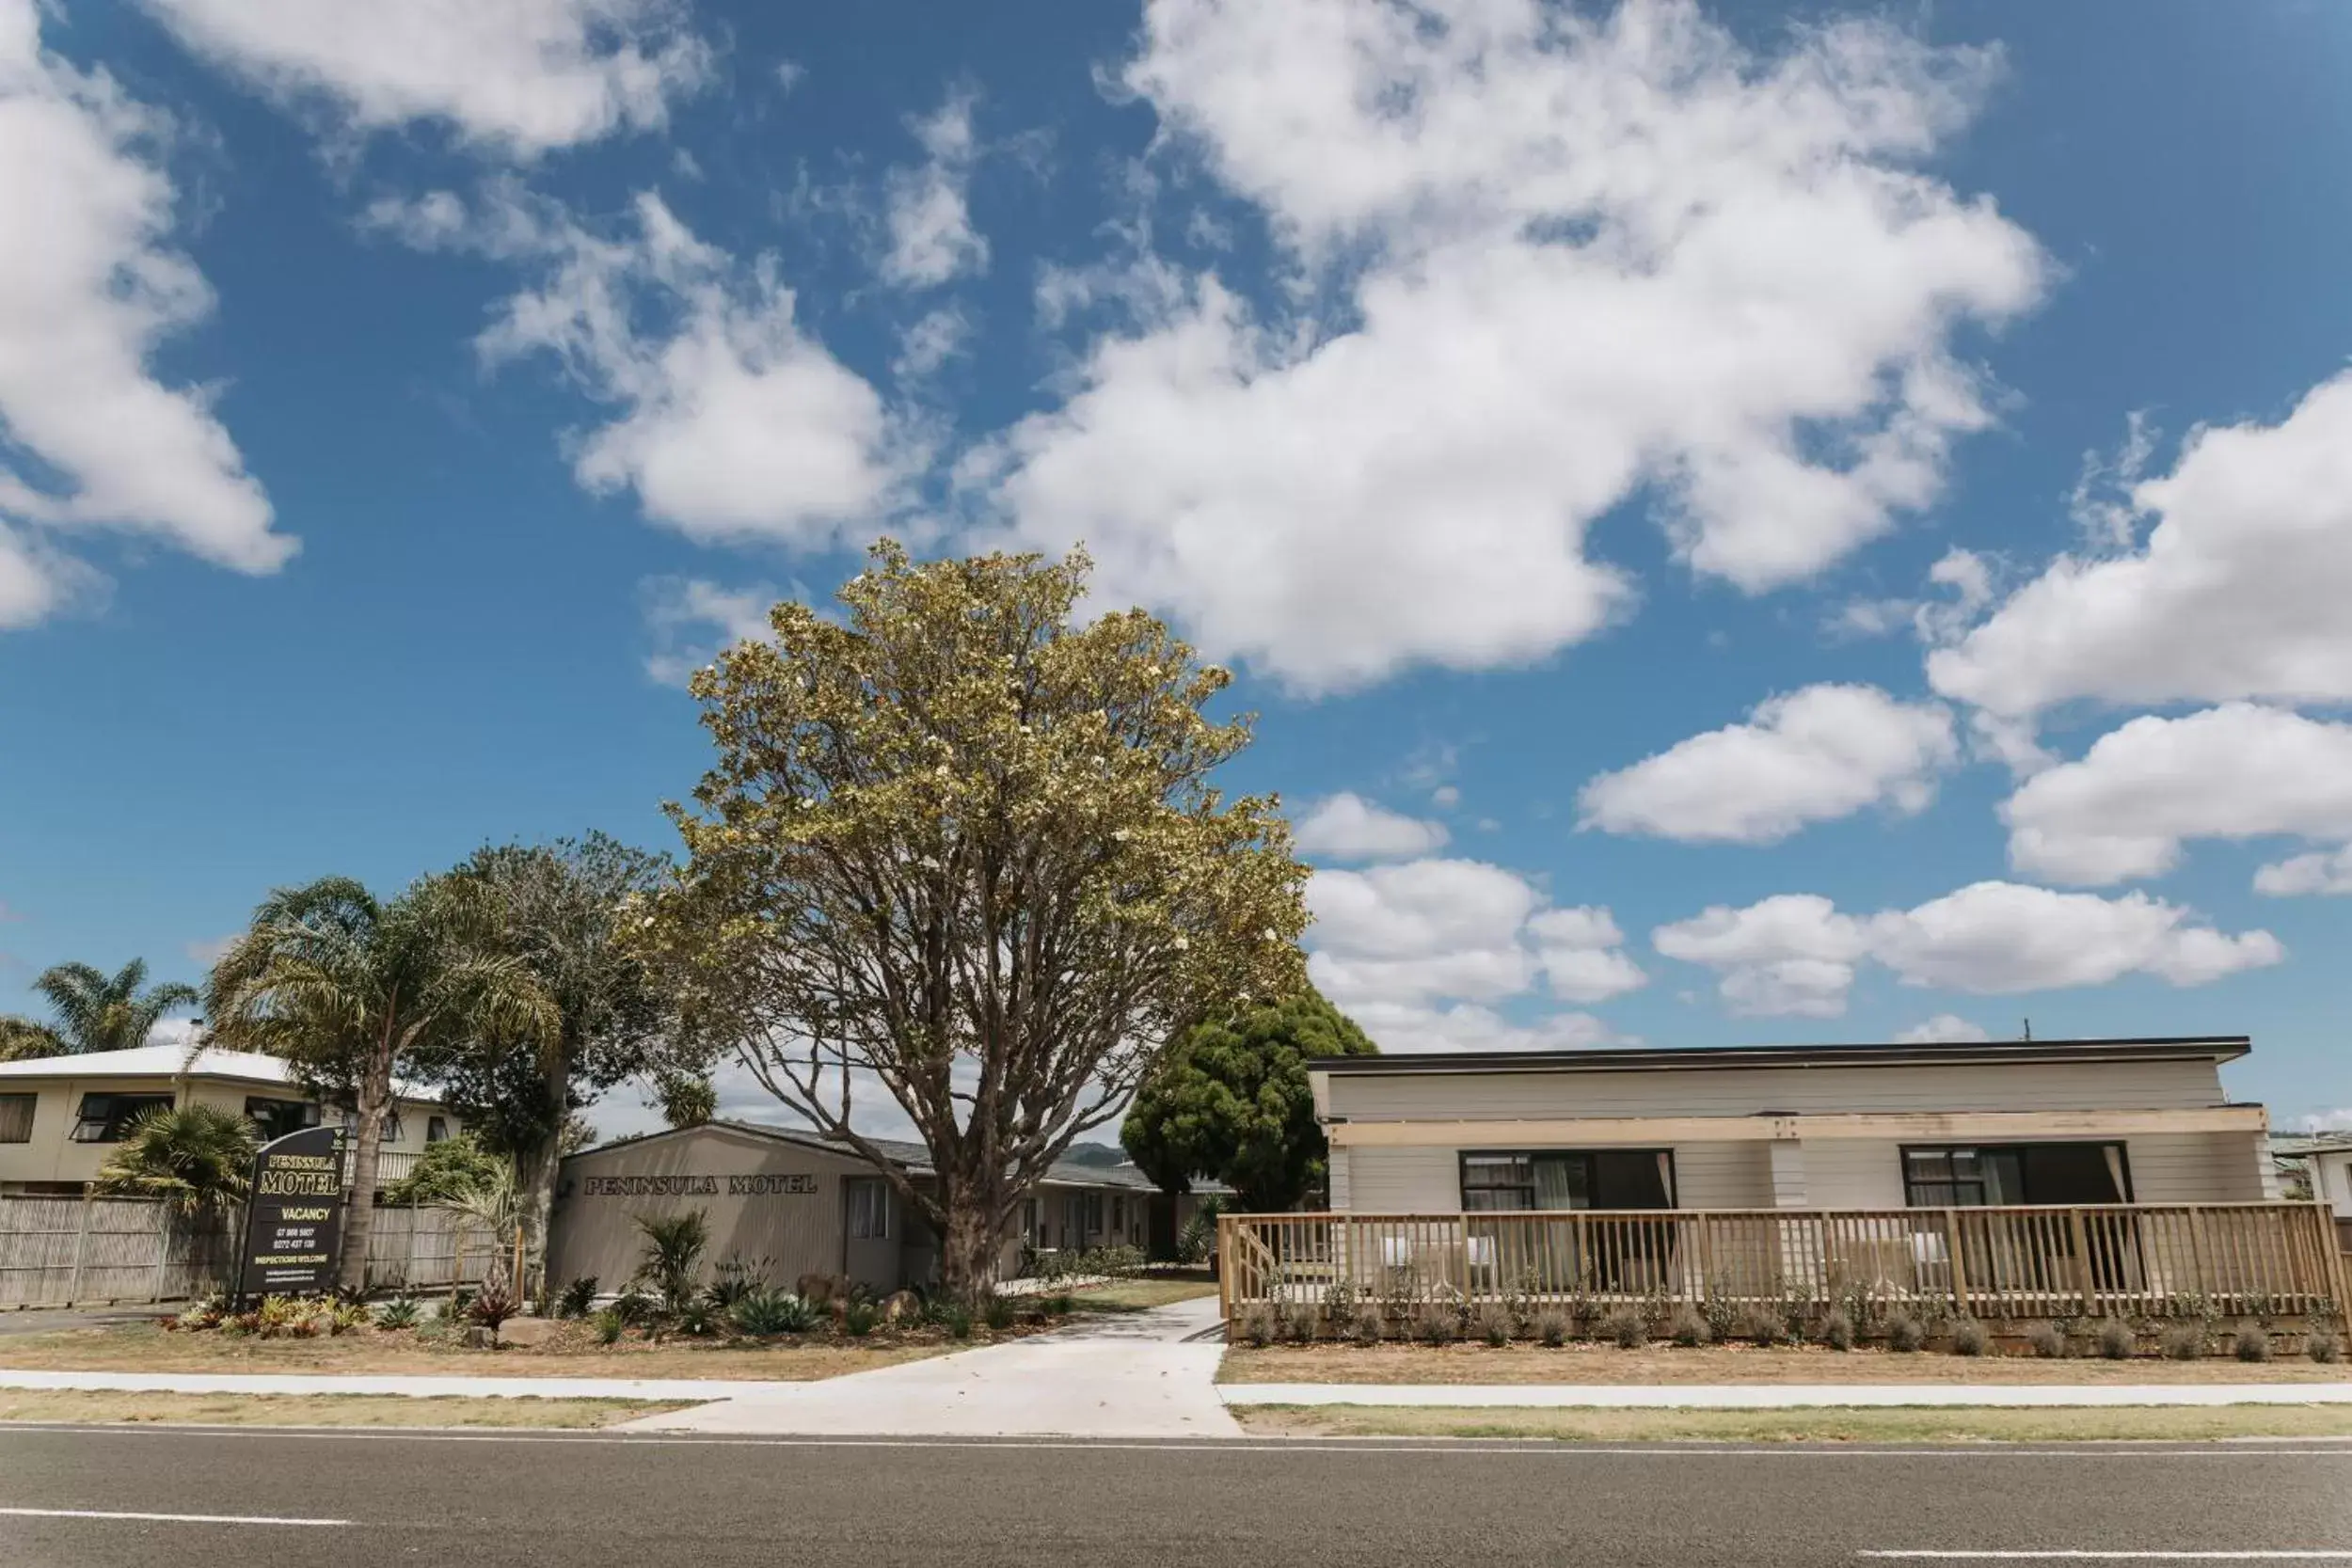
(1119,1213)
(436,1130)
(869,1208)
(1094,1213)
(1968,1176)
(274,1118)
(1074,1219)
(393,1132)
(106,1118)
(1033,1221)
(1568,1179)
(16,1117)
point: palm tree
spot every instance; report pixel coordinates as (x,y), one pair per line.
(97,1011)
(354,991)
(196,1157)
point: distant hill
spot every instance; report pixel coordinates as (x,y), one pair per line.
(1102,1156)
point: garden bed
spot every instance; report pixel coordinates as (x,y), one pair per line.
(568,1350)
(1585,1363)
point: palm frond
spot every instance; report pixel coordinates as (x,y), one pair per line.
(192,1156)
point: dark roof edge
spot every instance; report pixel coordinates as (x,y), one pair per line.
(2218,1048)
(1061,1173)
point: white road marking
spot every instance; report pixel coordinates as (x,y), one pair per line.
(2282,1555)
(164,1518)
(2237,1448)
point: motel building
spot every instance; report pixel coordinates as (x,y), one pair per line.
(60,1116)
(2015,1178)
(790,1202)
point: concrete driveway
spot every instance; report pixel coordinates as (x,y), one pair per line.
(1143,1374)
(48,1320)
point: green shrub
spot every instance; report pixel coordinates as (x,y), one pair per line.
(1438,1325)
(765,1313)
(734,1278)
(400,1312)
(1059,1304)
(2253,1344)
(1687,1328)
(609,1325)
(699,1316)
(1969,1337)
(2047,1341)
(1371,1326)
(634,1306)
(1836,1330)
(2322,1347)
(1761,1327)
(1494,1323)
(1554,1329)
(1625,1329)
(345,1317)
(492,1305)
(860,1315)
(996,1312)
(671,1261)
(1906,1334)
(1258,1323)
(578,1298)
(2115,1341)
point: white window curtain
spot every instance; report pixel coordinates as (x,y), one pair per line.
(2114,1169)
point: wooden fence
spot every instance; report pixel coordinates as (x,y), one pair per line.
(2231,1259)
(64,1251)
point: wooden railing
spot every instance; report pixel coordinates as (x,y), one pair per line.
(2123,1259)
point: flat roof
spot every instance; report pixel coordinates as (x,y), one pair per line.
(1693,1058)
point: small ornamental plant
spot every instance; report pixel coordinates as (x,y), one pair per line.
(2253,1344)
(1836,1330)
(1553,1329)
(1968,1338)
(1688,1329)
(2115,1341)
(2322,1347)
(2048,1341)
(1494,1325)
(1761,1328)
(1625,1329)
(2182,1342)
(1906,1334)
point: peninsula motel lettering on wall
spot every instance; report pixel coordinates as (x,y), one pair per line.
(696,1186)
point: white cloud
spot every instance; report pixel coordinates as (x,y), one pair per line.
(2240,770)
(734,425)
(210,950)
(1446,797)
(927,210)
(2238,592)
(2321,871)
(524,76)
(927,345)
(1797,953)
(1347,827)
(1942,1029)
(1426,947)
(1543,264)
(90,290)
(2336,1120)
(1466,1027)
(1810,756)
(691,620)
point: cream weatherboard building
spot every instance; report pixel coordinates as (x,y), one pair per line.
(60,1116)
(2033,1122)
(2061,1180)
(787,1202)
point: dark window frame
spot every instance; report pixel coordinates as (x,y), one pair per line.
(1463,1189)
(866,1222)
(31,1103)
(1904,1152)
(271,1121)
(435,1131)
(115,1111)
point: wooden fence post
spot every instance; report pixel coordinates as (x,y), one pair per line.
(1225,1267)
(81,1251)
(1960,1270)
(164,1230)
(2082,1263)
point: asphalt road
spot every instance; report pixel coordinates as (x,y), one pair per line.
(561,1502)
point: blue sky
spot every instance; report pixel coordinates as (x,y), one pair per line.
(1741,524)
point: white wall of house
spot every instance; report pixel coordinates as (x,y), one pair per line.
(50,1155)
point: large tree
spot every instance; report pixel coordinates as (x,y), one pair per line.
(1230,1101)
(94,1010)
(355,992)
(960,850)
(560,907)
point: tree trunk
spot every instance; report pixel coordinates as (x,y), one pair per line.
(359,1220)
(970,1245)
(534,1173)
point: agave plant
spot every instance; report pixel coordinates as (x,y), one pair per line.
(195,1157)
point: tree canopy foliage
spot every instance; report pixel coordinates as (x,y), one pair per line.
(354,992)
(1230,1101)
(961,848)
(92,1010)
